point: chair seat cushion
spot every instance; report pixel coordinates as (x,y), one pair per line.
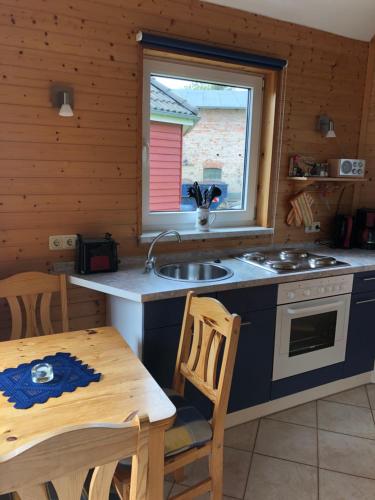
(190,428)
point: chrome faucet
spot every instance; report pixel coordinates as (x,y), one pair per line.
(150,261)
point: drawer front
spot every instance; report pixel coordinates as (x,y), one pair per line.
(244,300)
(166,312)
(308,380)
(364,282)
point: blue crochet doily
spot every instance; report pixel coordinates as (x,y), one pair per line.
(69,373)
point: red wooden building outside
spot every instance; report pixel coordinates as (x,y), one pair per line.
(165,166)
(170,118)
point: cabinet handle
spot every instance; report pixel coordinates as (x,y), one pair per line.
(247,323)
(369,279)
(365,301)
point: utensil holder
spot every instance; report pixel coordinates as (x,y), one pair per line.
(204,218)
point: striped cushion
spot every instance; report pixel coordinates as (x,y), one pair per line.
(190,428)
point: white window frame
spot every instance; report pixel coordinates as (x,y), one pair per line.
(224,218)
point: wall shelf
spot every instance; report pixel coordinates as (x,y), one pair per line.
(327,179)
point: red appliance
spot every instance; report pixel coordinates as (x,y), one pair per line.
(96,255)
(343,234)
(365,228)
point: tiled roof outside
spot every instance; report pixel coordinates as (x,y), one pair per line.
(163,100)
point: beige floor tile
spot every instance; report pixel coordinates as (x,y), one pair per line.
(167,488)
(356,397)
(236,469)
(348,454)
(337,486)
(303,415)
(371,394)
(195,472)
(242,436)
(271,479)
(288,441)
(353,420)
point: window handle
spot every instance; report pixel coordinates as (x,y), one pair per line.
(365,301)
(145,153)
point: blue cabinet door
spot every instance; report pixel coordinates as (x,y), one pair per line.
(360,348)
(253,368)
(252,374)
(160,347)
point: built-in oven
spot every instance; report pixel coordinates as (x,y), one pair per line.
(311,324)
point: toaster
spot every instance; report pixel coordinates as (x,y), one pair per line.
(344,167)
(96,255)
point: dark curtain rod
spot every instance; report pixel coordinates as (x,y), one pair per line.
(202,50)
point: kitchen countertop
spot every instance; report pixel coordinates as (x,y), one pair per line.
(132,284)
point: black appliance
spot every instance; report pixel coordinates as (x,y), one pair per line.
(365,228)
(343,231)
(96,255)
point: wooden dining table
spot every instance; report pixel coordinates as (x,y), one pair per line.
(125,387)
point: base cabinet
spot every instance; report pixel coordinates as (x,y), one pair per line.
(360,349)
(253,368)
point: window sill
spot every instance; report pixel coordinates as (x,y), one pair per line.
(213,233)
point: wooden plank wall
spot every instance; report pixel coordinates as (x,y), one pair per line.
(366,196)
(62,176)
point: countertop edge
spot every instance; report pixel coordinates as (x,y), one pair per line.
(265,280)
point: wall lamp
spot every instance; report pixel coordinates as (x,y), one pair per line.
(62,98)
(326,126)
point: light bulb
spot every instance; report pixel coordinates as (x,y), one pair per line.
(66,109)
(331,131)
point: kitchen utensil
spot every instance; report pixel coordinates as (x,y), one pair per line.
(192,193)
(199,194)
(216,192)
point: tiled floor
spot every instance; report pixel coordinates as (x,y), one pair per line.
(324,450)
(321,450)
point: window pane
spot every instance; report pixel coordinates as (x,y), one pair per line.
(198,132)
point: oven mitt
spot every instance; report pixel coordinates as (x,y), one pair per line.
(301,212)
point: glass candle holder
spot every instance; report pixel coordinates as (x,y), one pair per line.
(42,373)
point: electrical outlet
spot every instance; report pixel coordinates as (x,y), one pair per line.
(62,242)
(69,241)
(314,228)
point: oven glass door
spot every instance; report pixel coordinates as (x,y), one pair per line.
(310,335)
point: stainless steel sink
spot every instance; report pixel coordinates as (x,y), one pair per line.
(194,272)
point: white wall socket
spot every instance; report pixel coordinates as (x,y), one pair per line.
(314,228)
(62,242)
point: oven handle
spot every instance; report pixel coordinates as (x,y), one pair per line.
(365,301)
(369,279)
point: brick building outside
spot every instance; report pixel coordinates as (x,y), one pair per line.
(214,149)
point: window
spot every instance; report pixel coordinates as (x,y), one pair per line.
(199,124)
(212,174)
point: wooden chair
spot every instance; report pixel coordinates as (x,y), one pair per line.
(206,357)
(29,294)
(66,458)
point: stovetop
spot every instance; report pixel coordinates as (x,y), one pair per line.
(290,260)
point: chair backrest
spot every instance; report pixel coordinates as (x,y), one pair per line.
(207,351)
(29,298)
(65,459)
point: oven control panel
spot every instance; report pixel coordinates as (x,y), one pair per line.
(314,289)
